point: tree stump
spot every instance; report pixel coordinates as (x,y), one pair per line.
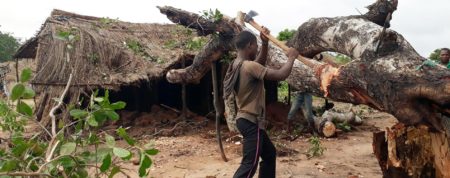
(412,152)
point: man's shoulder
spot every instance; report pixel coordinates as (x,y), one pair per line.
(251,64)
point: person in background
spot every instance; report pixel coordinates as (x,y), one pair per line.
(444,56)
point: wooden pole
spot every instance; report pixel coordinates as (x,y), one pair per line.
(218,107)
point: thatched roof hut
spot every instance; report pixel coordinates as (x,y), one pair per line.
(102,53)
(105,52)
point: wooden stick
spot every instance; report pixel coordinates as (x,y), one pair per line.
(24,174)
(60,101)
(218,107)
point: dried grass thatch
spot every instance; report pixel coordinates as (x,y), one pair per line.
(106,53)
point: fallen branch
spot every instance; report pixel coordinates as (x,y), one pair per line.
(25,174)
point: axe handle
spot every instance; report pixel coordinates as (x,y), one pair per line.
(271,38)
(280,44)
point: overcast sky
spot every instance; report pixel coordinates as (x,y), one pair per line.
(425,24)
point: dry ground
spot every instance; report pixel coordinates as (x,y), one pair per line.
(191,150)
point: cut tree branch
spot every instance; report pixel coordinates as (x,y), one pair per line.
(212,51)
(386,80)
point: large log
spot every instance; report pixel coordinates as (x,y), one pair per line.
(212,51)
(386,79)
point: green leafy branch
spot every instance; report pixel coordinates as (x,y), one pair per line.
(212,15)
(316,149)
(76,148)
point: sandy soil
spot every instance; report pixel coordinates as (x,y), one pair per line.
(191,150)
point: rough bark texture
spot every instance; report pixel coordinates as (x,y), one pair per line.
(212,51)
(412,152)
(388,80)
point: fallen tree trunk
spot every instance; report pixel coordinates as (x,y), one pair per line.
(387,79)
(212,51)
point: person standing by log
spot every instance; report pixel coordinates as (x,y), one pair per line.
(245,79)
(303,100)
(444,56)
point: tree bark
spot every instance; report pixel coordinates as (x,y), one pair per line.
(220,44)
(412,152)
(387,80)
(391,79)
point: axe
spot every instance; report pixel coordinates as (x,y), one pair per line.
(249,19)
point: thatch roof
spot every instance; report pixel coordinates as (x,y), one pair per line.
(106,53)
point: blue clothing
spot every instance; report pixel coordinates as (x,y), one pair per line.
(303,101)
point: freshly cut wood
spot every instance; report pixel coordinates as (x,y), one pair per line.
(412,152)
(389,78)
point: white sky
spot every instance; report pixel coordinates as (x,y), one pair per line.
(423,23)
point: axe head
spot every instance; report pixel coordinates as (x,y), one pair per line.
(249,16)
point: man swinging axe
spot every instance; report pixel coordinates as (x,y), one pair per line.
(245,79)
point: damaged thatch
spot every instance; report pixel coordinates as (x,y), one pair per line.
(106,52)
(102,53)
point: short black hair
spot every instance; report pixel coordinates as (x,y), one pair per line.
(445,49)
(243,39)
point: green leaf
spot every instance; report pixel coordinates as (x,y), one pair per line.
(122,133)
(61,123)
(146,162)
(17,91)
(106,97)
(28,93)
(66,162)
(114,171)
(34,167)
(9,165)
(78,113)
(112,115)
(102,152)
(68,148)
(98,99)
(118,105)
(19,148)
(110,140)
(92,138)
(122,153)
(24,109)
(25,75)
(78,127)
(106,163)
(100,116)
(92,122)
(64,35)
(152,151)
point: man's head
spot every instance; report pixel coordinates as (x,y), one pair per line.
(246,42)
(444,55)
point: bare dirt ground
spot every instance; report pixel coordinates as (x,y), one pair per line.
(191,150)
